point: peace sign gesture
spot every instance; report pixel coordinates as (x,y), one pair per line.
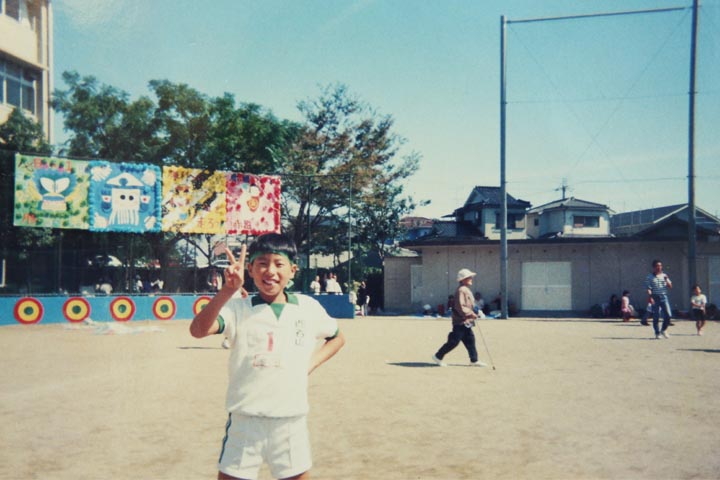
(235,273)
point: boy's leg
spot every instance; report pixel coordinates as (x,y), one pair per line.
(469,341)
(241,453)
(454,338)
(288,450)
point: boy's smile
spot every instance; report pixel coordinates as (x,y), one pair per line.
(271,273)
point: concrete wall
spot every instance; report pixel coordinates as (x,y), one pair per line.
(599,269)
(397,279)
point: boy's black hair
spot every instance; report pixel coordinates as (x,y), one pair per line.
(273,243)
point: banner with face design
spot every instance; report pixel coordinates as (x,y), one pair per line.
(124,197)
(253,204)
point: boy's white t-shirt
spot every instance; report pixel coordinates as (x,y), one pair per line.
(699,300)
(270,356)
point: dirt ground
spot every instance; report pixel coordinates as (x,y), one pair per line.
(569,399)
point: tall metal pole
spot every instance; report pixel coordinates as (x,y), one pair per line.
(350,285)
(692,233)
(503,187)
(306,277)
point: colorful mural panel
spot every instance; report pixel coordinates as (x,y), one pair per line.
(253,204)
(50,192)
(124,197)
(193,200)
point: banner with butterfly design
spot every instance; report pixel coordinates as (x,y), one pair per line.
(51,192)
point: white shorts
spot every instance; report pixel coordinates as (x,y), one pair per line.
(282,443)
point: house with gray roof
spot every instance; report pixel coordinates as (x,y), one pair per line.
(553,272)
(480,215)
(569,217)
(664,223)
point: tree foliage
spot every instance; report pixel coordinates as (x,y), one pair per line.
(346,157)
(343,168)
(18,134)
(176,125)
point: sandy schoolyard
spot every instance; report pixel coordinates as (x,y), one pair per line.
(569,399)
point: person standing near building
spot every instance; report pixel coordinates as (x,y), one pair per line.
(363,299)
(698,301)
(658,285)
(315,285)
(463,320)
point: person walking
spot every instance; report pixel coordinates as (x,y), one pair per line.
(463,320)
(698,302)
(658,285)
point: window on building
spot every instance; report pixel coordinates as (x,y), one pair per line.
(584,221)
(19,10)
(19,86)
(515,221)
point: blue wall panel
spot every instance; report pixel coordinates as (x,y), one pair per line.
(63,309)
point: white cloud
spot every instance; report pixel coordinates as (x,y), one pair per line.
(100,13)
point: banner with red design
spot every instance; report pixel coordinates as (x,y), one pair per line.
(253,204)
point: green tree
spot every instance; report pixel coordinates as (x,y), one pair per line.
(19,134)
(22,134)
(175,125)
(345,156)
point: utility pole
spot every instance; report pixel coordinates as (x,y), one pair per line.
(692,232)
(503,185)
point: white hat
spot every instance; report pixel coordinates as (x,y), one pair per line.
(465,273)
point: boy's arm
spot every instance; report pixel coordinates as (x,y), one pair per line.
(326,351)
(206,321)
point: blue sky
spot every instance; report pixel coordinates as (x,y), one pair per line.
(599,102)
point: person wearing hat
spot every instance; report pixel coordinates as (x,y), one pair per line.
(463,319)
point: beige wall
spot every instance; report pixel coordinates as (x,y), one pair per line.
(30,42)
(397,280)
(598,270)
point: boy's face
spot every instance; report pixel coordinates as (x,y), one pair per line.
(271,273)
(467,281)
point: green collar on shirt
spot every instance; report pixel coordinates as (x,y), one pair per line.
(277,308)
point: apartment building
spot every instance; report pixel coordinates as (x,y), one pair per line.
(26,60)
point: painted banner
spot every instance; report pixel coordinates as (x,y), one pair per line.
(253,204)
(124,197)
(50,192)
(193,200)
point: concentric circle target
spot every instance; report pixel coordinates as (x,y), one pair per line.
(200,304)
(28,310)
(76,309)
(122,309)
(164,308)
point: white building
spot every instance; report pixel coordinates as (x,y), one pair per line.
(26,60)
(569,217)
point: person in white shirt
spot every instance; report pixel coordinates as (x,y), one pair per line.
(698,301)
(274,337)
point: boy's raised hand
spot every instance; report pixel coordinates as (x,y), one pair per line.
(235,273)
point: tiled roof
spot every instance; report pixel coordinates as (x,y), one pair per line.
(492,196)
(632,223)
(571,202)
